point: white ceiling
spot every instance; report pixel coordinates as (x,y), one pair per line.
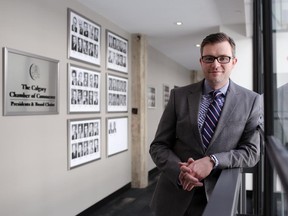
(156,19)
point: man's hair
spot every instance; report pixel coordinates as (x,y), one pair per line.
(217,38)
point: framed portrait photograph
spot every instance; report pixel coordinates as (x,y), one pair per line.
(166,95)
(83,89)
(84,37)
(117,52)
(117,94)
(84,141)
(117,135)
(151,97)
(30,84)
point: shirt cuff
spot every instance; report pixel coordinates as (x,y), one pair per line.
(215,160)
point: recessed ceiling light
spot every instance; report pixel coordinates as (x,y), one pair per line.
(197,45)
(179,23)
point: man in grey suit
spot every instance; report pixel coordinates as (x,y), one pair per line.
(190,169)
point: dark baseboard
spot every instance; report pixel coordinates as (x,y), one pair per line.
(151,174)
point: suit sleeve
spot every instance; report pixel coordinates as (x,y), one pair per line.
(247,152)
(165,138)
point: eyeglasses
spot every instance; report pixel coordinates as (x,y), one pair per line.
(220,59)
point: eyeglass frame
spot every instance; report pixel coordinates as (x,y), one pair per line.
(217,59)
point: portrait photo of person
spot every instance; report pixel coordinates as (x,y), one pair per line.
(85,81)
(95,83)
(86,32)
(85,97)
(80,78)
(81,27)
(74,132)
(80,131)
(85,148)
(74,151)
(74,77)
(90,97)
(80,149)
(74,96)
(96,128)
(74,24)
(74,45)
(91,147)
(95,97)
(80,97)
(86,133)
(96,145)
(80,45)
(91,129)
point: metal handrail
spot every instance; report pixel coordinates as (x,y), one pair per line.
(224,198)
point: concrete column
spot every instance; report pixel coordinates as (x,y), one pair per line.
(139,112)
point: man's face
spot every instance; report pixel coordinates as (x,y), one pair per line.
(215,73)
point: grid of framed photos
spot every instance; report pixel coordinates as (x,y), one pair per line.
(84,89)
(117,136)
(83,38)
(117,94)
(117,52)
(84,141)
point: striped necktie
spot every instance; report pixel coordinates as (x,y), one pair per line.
(212,117)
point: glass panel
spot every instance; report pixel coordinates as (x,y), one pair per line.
(280,199)
(280,29)
(280,54)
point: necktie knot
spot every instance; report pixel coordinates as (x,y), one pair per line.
(216,94)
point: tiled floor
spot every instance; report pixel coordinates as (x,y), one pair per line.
(133,202)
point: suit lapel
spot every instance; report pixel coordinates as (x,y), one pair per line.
(193,101)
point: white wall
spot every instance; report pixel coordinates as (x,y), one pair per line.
(35,179)
(243,71)
(161,70)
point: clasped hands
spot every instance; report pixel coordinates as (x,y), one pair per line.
(193,172)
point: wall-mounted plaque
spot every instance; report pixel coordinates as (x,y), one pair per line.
(30,84)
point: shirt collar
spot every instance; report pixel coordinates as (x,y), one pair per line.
(207,88)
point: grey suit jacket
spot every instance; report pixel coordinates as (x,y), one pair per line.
(236,142)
